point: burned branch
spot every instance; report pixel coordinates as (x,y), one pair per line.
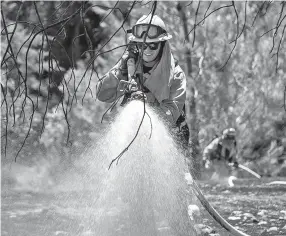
(128,146)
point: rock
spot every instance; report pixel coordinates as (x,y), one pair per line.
(254,220)
(264,233)
(262,223)
(234,218)
(193,211)
(189,178)
(281,170)
(272,229)
(277,152)
(283,215)
(60,233)
(237,212)
(262,213)
(204,230)
(226,191)
(249,217)
(230,181)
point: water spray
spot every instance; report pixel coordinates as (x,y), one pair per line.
(144,189)
(157,155)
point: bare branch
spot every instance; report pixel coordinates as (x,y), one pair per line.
(205,17)
(207,11)
(128,146)
(259,10)
(277,26)
(268,5)
(243,27)
(92,59)
(4,92)
(14,30)
(196,15)
(237,35)
(111,10)
(285,98)
(111,107)
(150,124)
(189,4)
(30,126)
(278,49)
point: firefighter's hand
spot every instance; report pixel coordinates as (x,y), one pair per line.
(207,164)
(235,165)
(131,52)
(127,86)
(138,95)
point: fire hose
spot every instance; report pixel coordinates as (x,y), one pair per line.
(248,170)
(212,211)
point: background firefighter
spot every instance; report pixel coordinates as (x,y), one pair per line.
(221,152)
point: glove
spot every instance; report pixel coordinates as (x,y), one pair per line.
(128,86)
(138,95)
(131,52)
(235,164)
(207,164)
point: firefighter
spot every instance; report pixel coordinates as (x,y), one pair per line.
(221,152)
(164,81)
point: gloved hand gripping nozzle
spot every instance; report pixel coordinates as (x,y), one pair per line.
(130,87)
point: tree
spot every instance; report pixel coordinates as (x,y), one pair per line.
(53,51)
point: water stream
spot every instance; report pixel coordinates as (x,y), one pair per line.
(143,193)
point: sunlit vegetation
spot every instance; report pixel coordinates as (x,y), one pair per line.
(53,53)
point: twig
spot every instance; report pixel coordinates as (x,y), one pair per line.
(206,17)
(277,26)
(285,98)
(125,149)
(259,10)
(196,16)
(278,49)
(111,107)
(14,30)
(150,124)
(245,16)
(237,35)
(207,11)
(7,118)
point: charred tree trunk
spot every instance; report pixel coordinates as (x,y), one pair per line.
(194,166)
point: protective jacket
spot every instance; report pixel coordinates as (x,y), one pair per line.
(164,85)
(217,151)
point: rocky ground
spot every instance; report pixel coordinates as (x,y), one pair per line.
(253,206)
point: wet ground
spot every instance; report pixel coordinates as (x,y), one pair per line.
(252,206)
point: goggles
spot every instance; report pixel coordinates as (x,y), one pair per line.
(229,137)
(152,46)
(153,32)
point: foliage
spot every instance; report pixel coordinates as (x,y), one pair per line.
(246,91)
(238,67)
